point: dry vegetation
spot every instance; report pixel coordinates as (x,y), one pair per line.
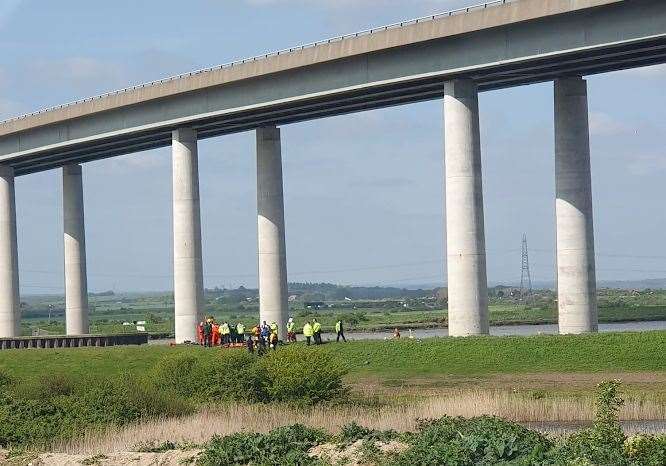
(200,427)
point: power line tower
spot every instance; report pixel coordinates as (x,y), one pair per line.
(525,277)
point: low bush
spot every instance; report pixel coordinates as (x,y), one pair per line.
(605,442)
(482,440)
(646,450)
(353,432)
(298,374)
(221,376)
(96,405)
(47,386)
(282,446)
(41,409)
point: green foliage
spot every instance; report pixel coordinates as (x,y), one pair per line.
(353,432)
(5,379)
(647,450)
(604,443)
(48,386)
(478,441)
(38,410)
(220,377)
(282,446)
(66,412)
(298,374)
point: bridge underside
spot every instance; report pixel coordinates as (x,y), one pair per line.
(619,36)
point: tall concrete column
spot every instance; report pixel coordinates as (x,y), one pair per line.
(465,237)
(273,300)
(76,282)
(187,262)
(10,318)
(576,280)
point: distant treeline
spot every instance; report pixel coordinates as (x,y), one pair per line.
(323,292)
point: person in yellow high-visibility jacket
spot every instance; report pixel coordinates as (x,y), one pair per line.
(340,331)
(316,329)
(225,332)
(240,331)
(308,332)
(291,331)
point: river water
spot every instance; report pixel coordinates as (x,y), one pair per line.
(501,330)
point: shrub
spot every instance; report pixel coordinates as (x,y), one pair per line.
(353,432)
(605,442)
(47,386)
(97,405)
(5,379)
(481,440)
(646,450)
(223,376)
(298,374)
(282,446)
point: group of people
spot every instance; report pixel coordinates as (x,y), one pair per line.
(211,333)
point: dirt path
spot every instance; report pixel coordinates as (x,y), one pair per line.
(168,458)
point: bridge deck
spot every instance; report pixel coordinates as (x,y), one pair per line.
(505,44)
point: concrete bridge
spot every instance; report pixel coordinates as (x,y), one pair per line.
(451,56)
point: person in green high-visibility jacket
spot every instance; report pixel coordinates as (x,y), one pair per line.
(291,331)
(240,331)
(340,331)
(316,329)
(308,332)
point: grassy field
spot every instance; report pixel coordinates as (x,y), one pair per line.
(619,352)
(141,393)
(361,319)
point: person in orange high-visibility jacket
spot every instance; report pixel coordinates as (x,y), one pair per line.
(216,334)
(200,333)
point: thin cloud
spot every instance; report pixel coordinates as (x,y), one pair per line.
(604,124)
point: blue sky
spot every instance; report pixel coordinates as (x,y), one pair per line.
(363,193)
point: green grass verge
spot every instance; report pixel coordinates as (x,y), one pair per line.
(604,352)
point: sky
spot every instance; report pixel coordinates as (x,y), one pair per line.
(364,193)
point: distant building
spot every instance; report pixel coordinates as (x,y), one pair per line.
(315,305)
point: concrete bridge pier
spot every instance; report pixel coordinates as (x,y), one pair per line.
(10,318)
(187,261)
(76,282)
(576,279)
(272,255)
(465,236)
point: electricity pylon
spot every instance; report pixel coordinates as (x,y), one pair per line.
(525,277)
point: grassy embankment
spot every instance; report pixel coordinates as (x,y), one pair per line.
(405,359)
(66,374)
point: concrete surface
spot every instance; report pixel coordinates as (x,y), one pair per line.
(76,281)
(521,42)
(465,237)
(187,260)
(576,280)
(272,251)
(10,325)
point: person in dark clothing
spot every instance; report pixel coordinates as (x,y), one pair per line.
(250,345)
(208,333)
(341,331)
